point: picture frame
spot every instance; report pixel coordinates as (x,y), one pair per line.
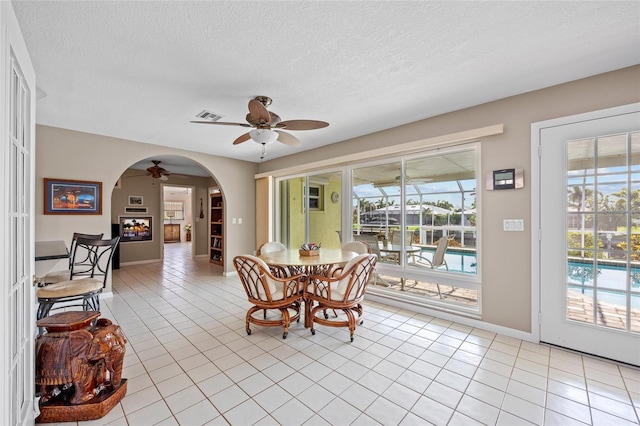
(72,197)
(135,228)
(136,210)
(136,200)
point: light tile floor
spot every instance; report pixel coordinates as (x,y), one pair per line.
(190,362)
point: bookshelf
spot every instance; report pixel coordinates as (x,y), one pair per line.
(216,248)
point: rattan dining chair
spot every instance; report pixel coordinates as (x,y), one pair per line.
(359,247)
(341,293)
(271,247)
(267,292)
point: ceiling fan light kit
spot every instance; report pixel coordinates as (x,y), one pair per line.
(264,136)
(263,121)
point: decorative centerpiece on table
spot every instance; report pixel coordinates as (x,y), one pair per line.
(310,249)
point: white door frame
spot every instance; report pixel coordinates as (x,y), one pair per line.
(536,132)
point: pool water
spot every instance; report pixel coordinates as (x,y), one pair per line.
(458,261)
(612,277)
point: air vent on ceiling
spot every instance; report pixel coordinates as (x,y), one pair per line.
(211,116)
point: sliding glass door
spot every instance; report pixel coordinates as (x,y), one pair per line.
(310,210)
(405,209)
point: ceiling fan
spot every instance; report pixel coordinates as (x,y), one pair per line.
(160,173)
(264,121)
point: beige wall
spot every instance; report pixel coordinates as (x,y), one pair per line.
(505,256)
(67,154)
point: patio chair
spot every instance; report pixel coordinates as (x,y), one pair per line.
(86,281)
(437,260)
(80,259)
(396,237)
(341,293)
(266,292)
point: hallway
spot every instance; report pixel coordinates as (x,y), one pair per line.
(189,361)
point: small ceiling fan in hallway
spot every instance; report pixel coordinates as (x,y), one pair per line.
(158,172)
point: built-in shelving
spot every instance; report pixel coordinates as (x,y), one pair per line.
(216,246)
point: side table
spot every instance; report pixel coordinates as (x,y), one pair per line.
(78,367)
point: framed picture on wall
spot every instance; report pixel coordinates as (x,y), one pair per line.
(135,228)
(64,196)
(135,200)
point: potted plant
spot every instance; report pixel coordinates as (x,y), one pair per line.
(187,228)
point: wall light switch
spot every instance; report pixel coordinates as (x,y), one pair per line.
(239,221)
(233,221)
(513,224)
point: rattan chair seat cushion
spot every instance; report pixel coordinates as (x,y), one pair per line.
(70,288)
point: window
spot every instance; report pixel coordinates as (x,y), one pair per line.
(316,197)
(402,207)
(173,210)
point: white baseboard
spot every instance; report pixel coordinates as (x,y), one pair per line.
(465,320)
(140,262)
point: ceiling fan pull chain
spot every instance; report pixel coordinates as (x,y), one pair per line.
(264,152)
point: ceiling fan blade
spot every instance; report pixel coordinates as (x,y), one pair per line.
(242,138)
(288,139)
(258,113)
(223,123)
(302,124)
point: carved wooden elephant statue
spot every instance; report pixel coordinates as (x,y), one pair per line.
(80,363)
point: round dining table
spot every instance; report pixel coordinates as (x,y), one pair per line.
(319,264)
(322,263)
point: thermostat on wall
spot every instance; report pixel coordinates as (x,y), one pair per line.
(505,179)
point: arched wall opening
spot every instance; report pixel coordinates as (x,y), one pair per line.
(139,195)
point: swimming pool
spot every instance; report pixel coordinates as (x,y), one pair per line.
(612,277)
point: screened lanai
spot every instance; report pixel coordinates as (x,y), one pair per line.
(434,205)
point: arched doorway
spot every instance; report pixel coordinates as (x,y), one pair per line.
(143,191)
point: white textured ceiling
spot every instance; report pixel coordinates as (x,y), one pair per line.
(141,70)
